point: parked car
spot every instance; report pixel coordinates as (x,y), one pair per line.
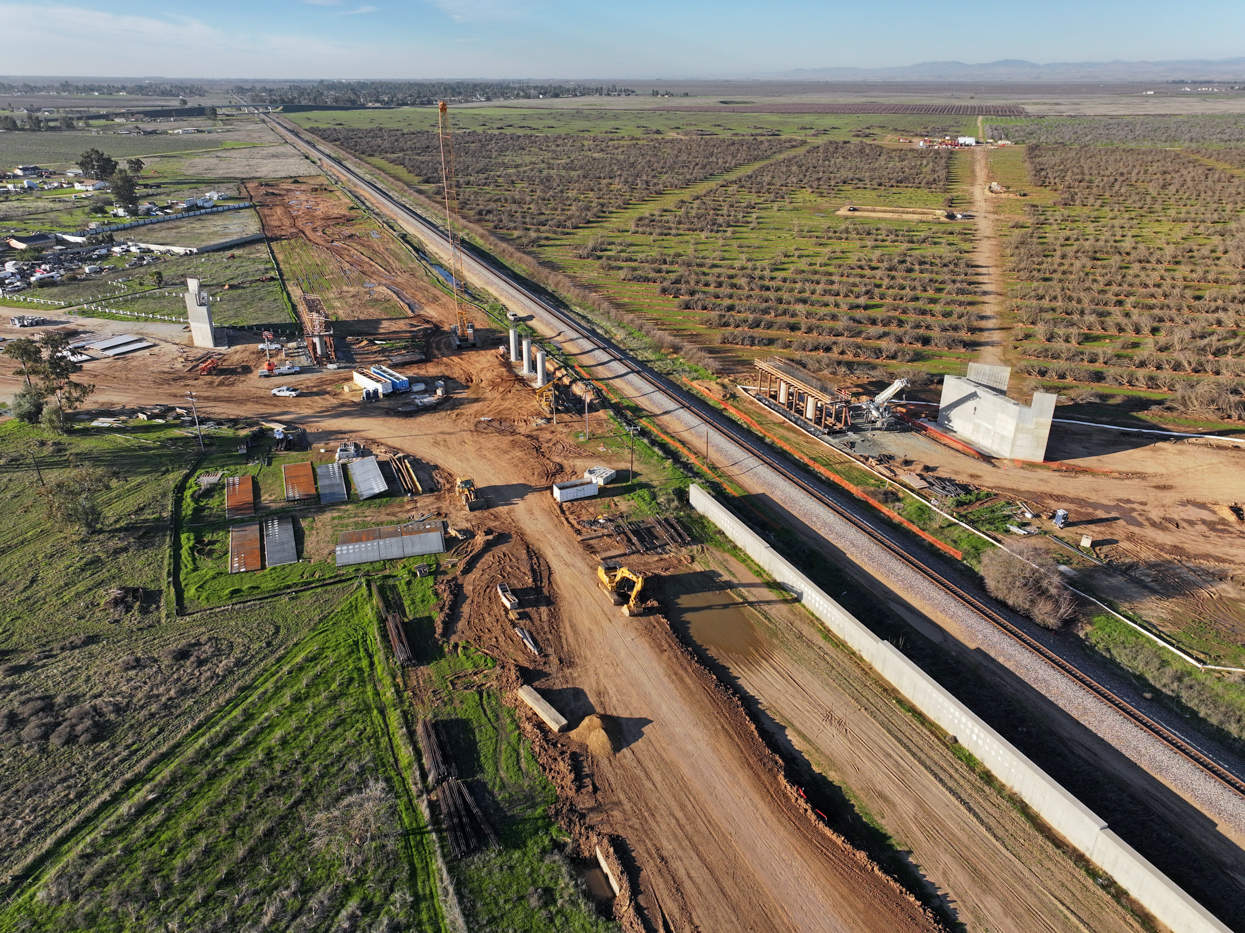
(286,392)
(286,370)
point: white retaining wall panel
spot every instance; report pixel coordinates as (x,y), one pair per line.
(1064,812)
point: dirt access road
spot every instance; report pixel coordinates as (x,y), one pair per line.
(992,869)
(990,330)
(717,840)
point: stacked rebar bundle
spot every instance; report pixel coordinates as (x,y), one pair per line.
(465,825)
(439,766)
(464,822)
(397,638)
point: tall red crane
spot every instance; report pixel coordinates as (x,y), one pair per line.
(464,331)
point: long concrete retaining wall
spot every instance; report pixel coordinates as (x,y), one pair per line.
(1067,815)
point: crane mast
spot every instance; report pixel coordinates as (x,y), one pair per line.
(464,330)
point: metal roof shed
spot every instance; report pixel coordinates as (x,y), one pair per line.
(389,542)
(367,478)
(244,553)
(279,543)
(300,481)
(332,483)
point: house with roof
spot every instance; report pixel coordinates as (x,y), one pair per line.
(90,184)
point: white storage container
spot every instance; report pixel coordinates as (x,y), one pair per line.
(575,489)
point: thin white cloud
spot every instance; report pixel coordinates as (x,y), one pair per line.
(362,9)
(97,42)
(483,10)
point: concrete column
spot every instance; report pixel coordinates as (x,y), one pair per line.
(810,408)
(514,344)
(540,367)
(783,391)
(527,356)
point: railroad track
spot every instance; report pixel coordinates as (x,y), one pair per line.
(788,472)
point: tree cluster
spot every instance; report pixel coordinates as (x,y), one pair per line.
(1028,581)
(140,90)
(47,371)
(416,93)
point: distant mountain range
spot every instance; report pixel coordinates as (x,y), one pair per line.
(1222,70)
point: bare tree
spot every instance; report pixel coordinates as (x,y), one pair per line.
(1028,581)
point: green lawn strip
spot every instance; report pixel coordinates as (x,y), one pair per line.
(526,884)
(1217,698)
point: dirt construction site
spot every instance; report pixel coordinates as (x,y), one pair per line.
(734,766)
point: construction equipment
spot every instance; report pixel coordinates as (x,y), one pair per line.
(468,495)
(209,366)
(875,411)
(509,600)
(623,585)
(464,331)
(547,398)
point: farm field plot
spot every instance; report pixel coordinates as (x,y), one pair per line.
(537,185)
(92,681)
(771,260)
(744,255)
(61,149)
(329,247)
(1201,130)
(1127,273)
(639,122)
(202,231)
(288,806)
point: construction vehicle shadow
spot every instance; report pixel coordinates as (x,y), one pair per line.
(498,497)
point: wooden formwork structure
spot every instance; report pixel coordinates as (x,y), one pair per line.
(404,469)
(317,331)
(803,394)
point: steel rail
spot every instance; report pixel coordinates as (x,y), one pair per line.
(756,449)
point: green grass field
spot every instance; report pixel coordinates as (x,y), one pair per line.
(60,149)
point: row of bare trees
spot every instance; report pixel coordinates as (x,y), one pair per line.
(550,184)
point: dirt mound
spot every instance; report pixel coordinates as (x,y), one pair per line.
(602,735)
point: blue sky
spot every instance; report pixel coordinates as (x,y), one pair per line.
(563,39)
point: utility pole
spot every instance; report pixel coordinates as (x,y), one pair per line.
(631,429)
(192,398)
(587,395)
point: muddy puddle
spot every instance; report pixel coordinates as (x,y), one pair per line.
(597,884)
(701,606)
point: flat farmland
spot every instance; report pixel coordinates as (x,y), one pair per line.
(624,122)
(734,244)
(1125,268)
(329,247)
(61,149)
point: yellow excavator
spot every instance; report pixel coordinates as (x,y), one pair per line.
(468,495)
(623,585)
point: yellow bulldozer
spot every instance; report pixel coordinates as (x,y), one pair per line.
(468,495)
(623,585)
